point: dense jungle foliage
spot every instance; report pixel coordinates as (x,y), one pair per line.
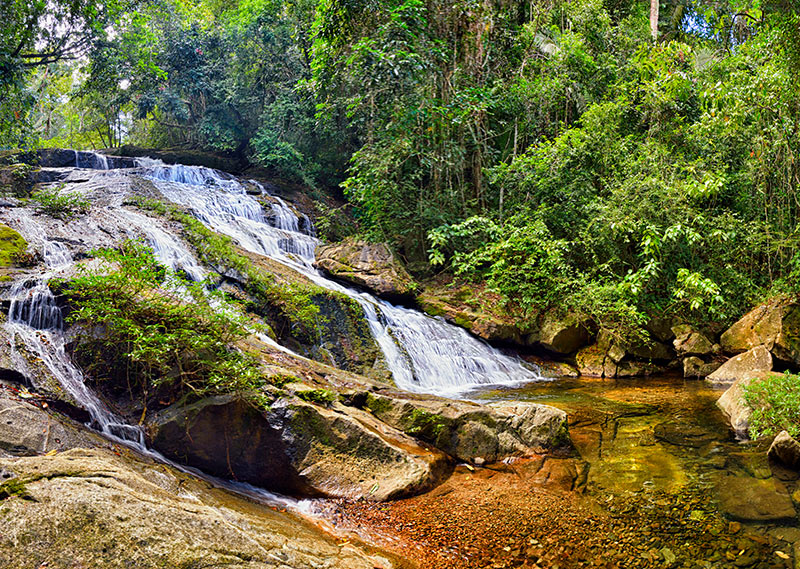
(616,158)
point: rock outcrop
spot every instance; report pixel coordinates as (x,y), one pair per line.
(296,446)
(92,508)
(750,499)
(775,325)
(369,265)
(743,366)
(471,432)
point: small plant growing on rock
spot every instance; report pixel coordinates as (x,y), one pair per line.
(319,396)
(59,204)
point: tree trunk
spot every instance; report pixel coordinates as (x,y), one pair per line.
(654,19)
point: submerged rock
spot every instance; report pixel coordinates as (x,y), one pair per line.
(90,508)
(468,431)
(370,265)
(743,366)
(775,325)
(786,450)
(750,499)
(297,447)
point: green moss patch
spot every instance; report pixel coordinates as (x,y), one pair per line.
(12,246)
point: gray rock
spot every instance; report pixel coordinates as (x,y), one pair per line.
(748,364)
(467,430)
(786,450)
(28,430)
(733,404)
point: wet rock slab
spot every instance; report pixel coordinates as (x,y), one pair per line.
(82,509)
(750,499)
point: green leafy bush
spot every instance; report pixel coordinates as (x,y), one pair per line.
(156,328)
(775,401)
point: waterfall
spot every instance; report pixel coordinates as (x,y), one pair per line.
(423,353)
(91,160)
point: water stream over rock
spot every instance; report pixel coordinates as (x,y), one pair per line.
(423,353)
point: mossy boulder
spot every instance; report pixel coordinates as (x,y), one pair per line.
(369,265)
(691,342)
(12,246)
(345,338)
(775,325)
(93,508)
(478,310)
(297,447)
(471,432)
(563,334)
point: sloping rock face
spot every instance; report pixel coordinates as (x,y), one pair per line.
(775,325)
(90,508)
(743,366)
(370,265)
(299,447)
(733,404)
(471,432)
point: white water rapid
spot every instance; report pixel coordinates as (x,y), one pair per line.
(423,353)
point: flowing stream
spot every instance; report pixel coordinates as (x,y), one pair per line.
(423,353)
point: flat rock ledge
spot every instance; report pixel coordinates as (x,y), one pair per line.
(470,432)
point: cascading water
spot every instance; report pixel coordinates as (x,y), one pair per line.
(35,318)
(423,353)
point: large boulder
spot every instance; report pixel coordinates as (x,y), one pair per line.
(690,342)
(742,366)
(471,432)
(94,509)
(733,404)
(786,450)
(370,265)
(298,447)
(775,325)
(563,334)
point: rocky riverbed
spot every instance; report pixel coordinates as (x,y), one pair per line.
(656,480)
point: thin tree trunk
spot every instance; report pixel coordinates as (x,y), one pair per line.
(654,19)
